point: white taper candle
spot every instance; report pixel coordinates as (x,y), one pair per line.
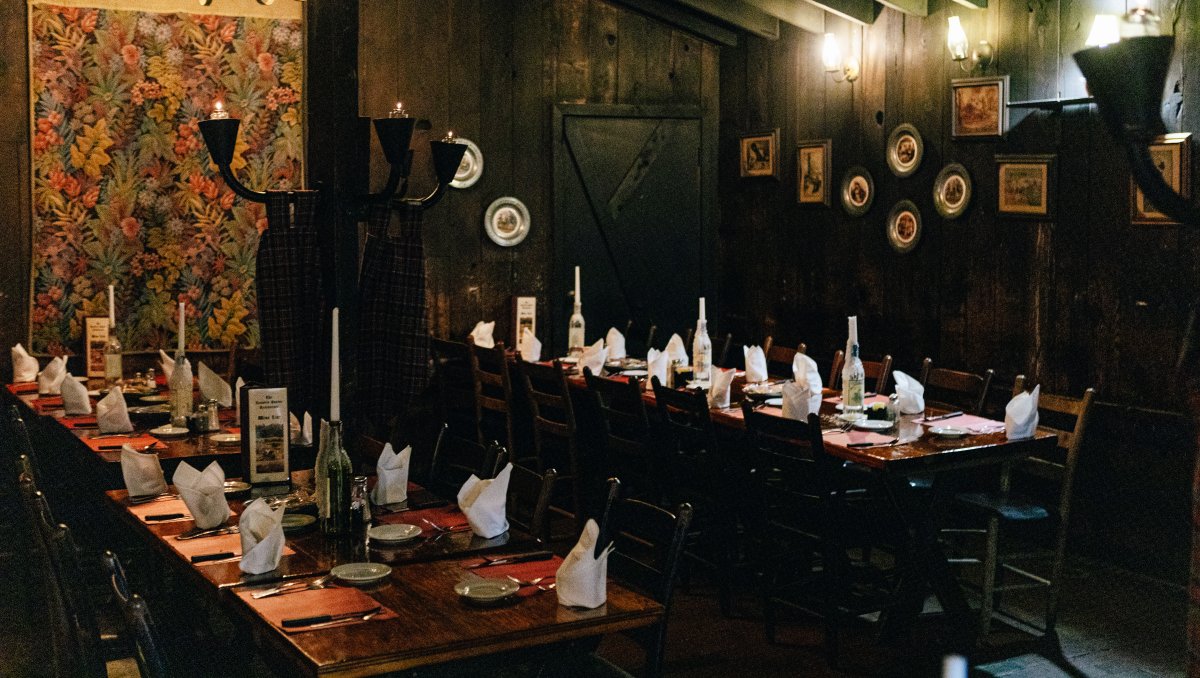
(702,309)
(335,409)
(577,299)
(112,308)
(179,345)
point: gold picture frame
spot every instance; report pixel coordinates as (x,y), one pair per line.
(758,154)
(1025,186)
(814,169)
(979,108)
(1172,154)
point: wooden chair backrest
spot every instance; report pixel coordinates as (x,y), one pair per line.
(955,388)
(151,660)
(529,495)
(879,370)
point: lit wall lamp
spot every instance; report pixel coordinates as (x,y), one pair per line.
(960,48)
(831,56)
(1126,76)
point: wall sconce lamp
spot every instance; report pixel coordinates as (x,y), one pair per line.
(831,56)
(395,134)
(957,43)
(220,136)
(1126,73)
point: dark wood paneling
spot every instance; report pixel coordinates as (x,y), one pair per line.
(15,227)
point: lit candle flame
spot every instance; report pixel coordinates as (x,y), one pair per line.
(398,111)
(219,112)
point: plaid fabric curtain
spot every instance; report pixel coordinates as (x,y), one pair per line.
(393,342)
(290,307)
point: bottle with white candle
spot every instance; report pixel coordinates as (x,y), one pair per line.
(113,371)
(333,468)
(853,376)
(575,333)
(181,381)
(702,349)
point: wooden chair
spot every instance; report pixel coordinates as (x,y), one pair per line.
(953,389)
(634,345)
(625,429)
(815,529)
(455,386)
(529,495)
(880,371)
(492,384)
(554,430)
(721,351)
(455,460)
(151,660)
(1008,506)
(779,358)
(649,542)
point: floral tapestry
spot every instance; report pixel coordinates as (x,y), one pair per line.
(123,188)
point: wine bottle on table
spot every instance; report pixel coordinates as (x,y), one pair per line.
(113,370)
(575,328)
(334,475)
(180,383)
(702,349)
(853,376)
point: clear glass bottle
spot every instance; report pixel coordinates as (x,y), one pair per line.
(113,369)
(853,380)
(575,334)
(702,350)
(334,471)
(360,506)
(151,381)
(181,390)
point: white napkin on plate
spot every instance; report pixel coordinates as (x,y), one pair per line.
(50,379)
(529,346)
(483,334)
(594,357)
(142,472)
(391,484)
(1021,414)
(75,397)
(910,394)
(301,435)
(203,492)
(615,341)
(718,387)
(213,387)
(485,502)
(657,365)
(237,398)
(112,416)
(582,579)
(756,364)
(261,529)
(676,350)
(802,396)
(25,366)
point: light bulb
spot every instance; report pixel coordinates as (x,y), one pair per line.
(1106,30)
(831,55)
(956,40)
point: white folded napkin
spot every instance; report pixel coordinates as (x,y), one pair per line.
(483,334)
(718,387)
(657,365)
(25,366)
(237,398)
(756,364)
(529,346)
(203,492)
(615,341)
(391,484)
(582,579)
(261,529)
(802,396)
(166,363)
(142,472)
(677,350)
(594,357)
(112,416)
(1021,414)
(50,379)
(302,435)
(75,397)
(910,394)
(213,387)
(485,502)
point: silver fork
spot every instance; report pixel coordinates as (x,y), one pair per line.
(533,582)
(319,583)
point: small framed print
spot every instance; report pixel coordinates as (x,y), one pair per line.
(524,316)
(759,154)
(1172,155)
(95,338)
(265,435)
(1026,185)
(979,108)
(813,167)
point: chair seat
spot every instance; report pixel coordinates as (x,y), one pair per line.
(1003,506)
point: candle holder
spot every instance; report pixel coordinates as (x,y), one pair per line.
(395,136)
(220,135)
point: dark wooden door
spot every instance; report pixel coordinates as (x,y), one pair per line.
(631,210)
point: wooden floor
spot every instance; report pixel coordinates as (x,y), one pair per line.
(1113,624)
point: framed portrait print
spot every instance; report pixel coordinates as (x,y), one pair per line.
(813,167)
(95,339)
(759,154)
(1026,185)
(979,108)
(1172,155)
(858,191)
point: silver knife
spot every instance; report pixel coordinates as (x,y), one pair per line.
(195,533)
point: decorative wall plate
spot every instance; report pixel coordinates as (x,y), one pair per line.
(471,167)
(904,226)
(858,191)
(506,221)
(952,191)
(905,150)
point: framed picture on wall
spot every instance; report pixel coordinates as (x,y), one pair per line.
(813,169)
(95,339)
(979,108)
(1172,155)
(1025,185)
(759,154)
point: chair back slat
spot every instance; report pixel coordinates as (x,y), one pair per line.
(955,389)
(151,660)
(493,393)
(456,459)
(529,494)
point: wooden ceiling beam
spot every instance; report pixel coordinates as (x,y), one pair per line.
(862,12)
(804,15)
(913,7)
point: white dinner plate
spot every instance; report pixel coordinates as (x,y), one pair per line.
(226,438)
(568,360)
(874,424)
(773,402)
(169,431)
(361,574)
(394,533)
(155,399)
(949,432)
(486,591)
(635,373)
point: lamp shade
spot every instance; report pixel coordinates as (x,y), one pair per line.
(956,39)
(1127,81)
(831,54)
(395,135)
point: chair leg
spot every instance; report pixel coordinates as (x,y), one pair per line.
(990,567)
(1060,553)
